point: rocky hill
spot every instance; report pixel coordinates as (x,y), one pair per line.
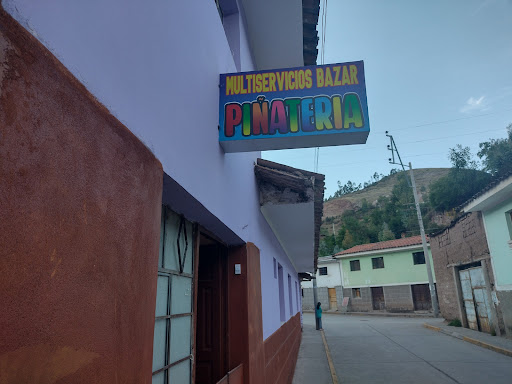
(335,207)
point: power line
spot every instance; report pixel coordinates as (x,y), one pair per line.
(452,120)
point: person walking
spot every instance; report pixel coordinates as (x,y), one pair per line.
(318,316)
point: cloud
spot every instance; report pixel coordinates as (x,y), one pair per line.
(475,105)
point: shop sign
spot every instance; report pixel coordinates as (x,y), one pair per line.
(313,106)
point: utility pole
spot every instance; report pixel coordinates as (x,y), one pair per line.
(315,300)
(392,147)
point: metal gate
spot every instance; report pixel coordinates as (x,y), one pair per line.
(475,299)
(378,301)
(421,297)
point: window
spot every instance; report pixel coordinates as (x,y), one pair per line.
(377,262)
(356,293)
(297,295)
(418,258)
(355,265)
(173,314)
(282,315)
(508,219)
(322,271)
(290,294)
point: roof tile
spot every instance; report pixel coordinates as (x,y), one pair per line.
(398,243)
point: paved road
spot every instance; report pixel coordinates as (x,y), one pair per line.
(398,350)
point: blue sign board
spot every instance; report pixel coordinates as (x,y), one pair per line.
(301,107)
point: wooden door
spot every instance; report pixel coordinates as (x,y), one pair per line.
(378,298)
(421,297)
(333,304)
(211,316)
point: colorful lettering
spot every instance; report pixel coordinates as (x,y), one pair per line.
(353,75)
(309,80)
(319,77)
(323,111)
(352,111)
(345,79)
(278,118)
(307,114)
(260,116)
(328,78)
(233,117)
(293,114)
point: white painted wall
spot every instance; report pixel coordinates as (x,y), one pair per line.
(331,280)
(156,65)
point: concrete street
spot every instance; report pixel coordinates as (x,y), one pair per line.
(398,350)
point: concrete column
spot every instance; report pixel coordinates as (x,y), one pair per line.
(494,314)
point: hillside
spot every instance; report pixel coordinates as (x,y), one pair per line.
(353,202)
(424,177)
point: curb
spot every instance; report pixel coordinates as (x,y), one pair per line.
(329,359)
(482,344)
(389,314)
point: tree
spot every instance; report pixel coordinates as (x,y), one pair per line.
(462,182)
(497,154)
(460,158)
(348,241)
(386,233)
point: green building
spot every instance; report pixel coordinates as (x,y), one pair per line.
(389,275)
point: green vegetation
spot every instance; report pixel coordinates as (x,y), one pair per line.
(388,219)
(497,155)
(388,211)
(455,323)
(463,181)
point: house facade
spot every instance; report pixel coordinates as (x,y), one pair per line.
(495,205)
(329,286)
(389,275)
(133,248)
(465,278)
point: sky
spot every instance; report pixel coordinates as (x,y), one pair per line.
(438,73)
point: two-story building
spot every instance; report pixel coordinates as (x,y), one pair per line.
(329,286)
(134,249)
(388,275)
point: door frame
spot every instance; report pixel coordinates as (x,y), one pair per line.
(223,297)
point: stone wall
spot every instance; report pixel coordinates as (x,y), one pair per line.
(398,298)
(323,297)
(307,299)
(339,297)
(362,304)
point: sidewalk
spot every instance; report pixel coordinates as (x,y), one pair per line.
(377,313)
(312,364)
(494,343)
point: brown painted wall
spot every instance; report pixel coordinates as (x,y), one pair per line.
(464,242)
(281,351)
(245,313)
(80,200)
(269,361)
